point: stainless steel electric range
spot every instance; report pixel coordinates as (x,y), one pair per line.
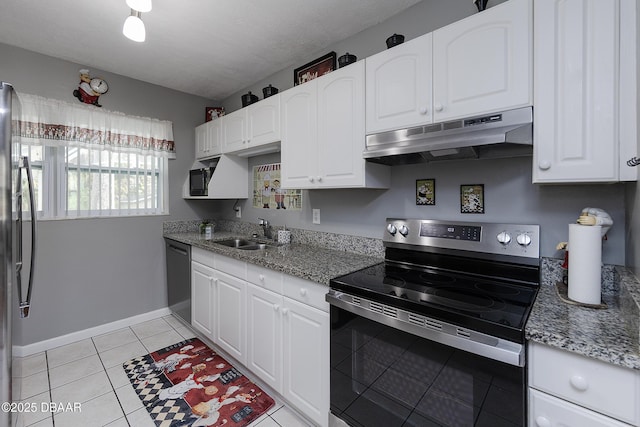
(434,335)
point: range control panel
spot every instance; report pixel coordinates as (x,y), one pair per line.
(502,239)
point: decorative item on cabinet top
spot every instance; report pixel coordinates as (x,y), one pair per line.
(481,4)
(395,40)
(346,59)
(269,91)
(248,99)
(316,68)
(213,113)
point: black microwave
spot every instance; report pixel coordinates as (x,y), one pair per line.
(199,181)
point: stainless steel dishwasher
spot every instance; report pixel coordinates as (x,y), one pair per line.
(179,278)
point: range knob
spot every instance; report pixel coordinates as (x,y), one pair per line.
(392,229)
(403,230)
(504,238)
(523,239)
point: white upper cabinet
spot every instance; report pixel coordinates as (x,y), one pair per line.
(478,65)
(299,135)
(483,63)
(323,134)
(208,143)
(252,126)
(584,85)
(398,85)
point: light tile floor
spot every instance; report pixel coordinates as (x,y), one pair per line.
(90,372)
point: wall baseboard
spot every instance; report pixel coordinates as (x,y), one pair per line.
(38,347)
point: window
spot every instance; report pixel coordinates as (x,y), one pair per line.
(83,172)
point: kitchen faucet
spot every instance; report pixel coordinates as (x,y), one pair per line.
(266,227)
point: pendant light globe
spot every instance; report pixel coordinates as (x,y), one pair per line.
(143,6)
(133,27)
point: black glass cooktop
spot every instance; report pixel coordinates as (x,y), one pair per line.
(492,306)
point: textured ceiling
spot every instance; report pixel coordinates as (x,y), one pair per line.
(211,48)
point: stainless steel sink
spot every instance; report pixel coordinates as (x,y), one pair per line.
(245,244)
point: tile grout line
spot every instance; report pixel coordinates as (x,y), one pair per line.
(113,388)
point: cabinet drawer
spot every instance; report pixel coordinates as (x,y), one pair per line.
(231,266)
(202,256)
(605,388)
(265,278)
(546,410)
(306,291)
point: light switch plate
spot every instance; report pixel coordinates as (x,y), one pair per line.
(316,216)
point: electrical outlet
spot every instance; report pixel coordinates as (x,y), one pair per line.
(238,212)
(316,216)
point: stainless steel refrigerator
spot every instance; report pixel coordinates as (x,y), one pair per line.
(15,176)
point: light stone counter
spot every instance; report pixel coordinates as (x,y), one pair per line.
(312,262)
(611,335)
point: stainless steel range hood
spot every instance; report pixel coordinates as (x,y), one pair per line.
(499,135)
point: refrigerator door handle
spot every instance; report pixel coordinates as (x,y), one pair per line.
(25,304)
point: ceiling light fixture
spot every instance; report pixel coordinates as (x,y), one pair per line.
(133,27)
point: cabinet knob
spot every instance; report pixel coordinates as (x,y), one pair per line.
(544,164)
(319,178)
(261,277)
(439,107)
(579,382)
(423,110)
(303,291)
(276,307)
(285,311)
(543,422)
(310,179)
(215,280)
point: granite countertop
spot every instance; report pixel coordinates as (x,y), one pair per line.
(306,261)
(610,335)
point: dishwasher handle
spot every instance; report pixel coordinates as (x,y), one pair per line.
(177,249)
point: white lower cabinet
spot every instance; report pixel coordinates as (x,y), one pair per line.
(264,330)
(201,297)
(549,411)
(306,359)
(276,325)
(567,389)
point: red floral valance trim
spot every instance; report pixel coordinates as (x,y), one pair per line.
(66,133)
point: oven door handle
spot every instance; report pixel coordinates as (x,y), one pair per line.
(435,330)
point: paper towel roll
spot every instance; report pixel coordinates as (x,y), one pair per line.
(585,257)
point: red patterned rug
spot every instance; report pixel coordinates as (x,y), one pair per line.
(189,384)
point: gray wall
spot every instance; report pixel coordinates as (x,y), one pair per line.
(94,271)
(510,196)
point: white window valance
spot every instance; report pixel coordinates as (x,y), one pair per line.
(48,121)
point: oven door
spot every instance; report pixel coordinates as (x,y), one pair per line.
(383,376)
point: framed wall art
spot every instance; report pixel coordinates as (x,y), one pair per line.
(472,198)
(425,192)
(314,69)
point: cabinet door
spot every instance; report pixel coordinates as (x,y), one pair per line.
(398,83)
(214,137)
(230,316)
(299,136)
(201,296)
(263,121)
(482,64)
(201,140)
(575,78)
(264,335)
(548,411)
(234,131)
(341,135)
(306,359)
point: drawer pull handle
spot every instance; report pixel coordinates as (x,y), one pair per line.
(542,422)
(579,382)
